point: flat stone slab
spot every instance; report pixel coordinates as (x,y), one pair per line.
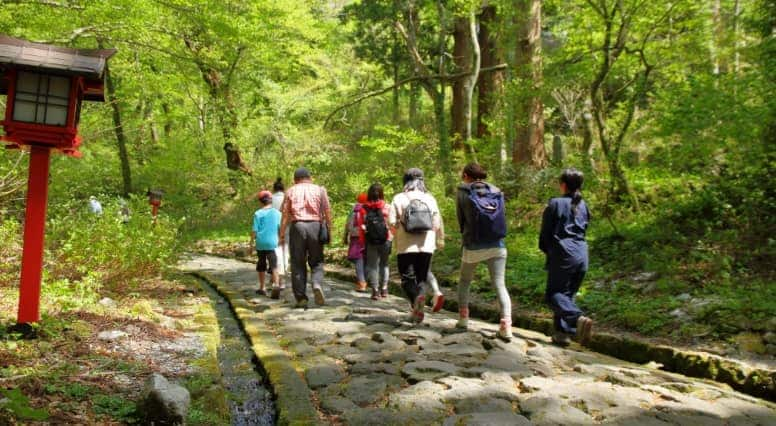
(322,375)
(487,419)
(428,370)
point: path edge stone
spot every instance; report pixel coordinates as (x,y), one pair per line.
(756,382)
(293,398)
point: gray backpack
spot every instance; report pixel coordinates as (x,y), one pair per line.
(418,217)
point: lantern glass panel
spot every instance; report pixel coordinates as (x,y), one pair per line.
(41,99)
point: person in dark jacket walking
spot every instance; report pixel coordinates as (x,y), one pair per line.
(483,241)
(562,239)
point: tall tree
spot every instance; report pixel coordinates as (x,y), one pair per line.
(528,147)
(490,85)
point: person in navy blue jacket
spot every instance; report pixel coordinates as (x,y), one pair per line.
(562,240)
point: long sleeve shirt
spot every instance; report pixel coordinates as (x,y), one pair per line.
(562,236)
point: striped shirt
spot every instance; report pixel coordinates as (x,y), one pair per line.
(304,201)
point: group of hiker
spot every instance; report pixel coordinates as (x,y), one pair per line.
(292,227)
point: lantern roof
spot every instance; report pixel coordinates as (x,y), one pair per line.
(22,53)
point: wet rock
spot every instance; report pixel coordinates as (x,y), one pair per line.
(111,335)
(164,403)
(487,419)
(428,370)
(322,375)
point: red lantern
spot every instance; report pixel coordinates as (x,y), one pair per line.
(45,87)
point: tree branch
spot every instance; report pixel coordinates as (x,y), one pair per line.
(402,82)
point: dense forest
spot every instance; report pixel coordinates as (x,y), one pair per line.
(668,106)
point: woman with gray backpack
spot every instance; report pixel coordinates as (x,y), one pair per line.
(419,229)
(481,217)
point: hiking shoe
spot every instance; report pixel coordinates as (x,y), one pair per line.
(301,304)
(505,330)
(261,292)
(318,294)
(275,293)
(417,308)
(463,322)
(384,292)
(437,302)
(361,286)
(561,339)
(375,294)
(584,330)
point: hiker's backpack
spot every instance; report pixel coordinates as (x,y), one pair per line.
(418,217)
(376,228)
(490,223)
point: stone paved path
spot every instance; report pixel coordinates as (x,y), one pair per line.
(366,365)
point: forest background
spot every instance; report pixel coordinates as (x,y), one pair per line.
(668,107)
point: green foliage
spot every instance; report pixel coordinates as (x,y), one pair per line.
(116,407)
(107,247)
(18,405)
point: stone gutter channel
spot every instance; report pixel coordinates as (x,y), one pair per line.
(290,394)
(758,382)
(251,401)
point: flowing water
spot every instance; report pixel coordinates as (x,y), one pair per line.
(249,395)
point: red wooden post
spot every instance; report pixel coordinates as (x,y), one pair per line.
(34,232)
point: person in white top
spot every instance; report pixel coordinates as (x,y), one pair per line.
(419,232)
(282,249)
(94,206)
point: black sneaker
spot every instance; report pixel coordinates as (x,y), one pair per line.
(375,294)
(275,293)
(301,304)
(561,339)
(261,292)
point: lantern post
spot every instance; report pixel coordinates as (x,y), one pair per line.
(45,86)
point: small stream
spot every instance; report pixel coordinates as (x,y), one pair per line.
(249,395)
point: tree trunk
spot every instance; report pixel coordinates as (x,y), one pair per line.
(413,104)
(490,84)
(167,120)
(529,148)
(121,138)
(439,105)
(462,58)
(471,80)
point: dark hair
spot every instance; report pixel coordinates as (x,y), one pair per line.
(375,192)
(278,185)
(266,200)
(475,171)
(573,179)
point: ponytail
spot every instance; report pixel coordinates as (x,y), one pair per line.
(573,179)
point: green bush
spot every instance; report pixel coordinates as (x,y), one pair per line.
(118,252)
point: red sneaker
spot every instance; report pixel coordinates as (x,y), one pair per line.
(438,302)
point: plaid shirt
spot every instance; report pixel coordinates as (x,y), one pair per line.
(304,201)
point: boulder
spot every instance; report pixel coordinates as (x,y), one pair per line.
(164,403)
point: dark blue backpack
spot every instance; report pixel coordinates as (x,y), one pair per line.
(490,222)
